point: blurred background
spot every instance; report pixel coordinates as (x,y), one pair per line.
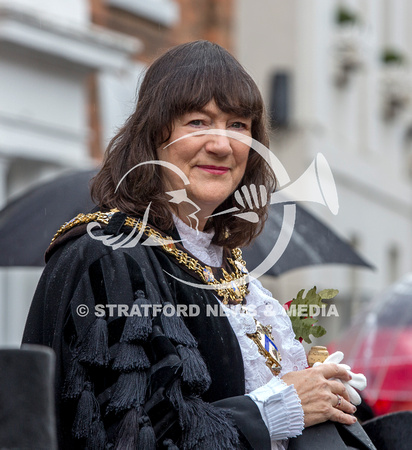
(336,78)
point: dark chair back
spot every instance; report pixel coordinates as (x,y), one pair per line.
(27,416)
(392,431)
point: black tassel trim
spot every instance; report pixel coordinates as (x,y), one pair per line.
(139,325)
(174,394)
(174,328)
(97,439)
(130,357)
(204,427)
(195,373)
(94,348)
(130,391)
(74,383)
(87,410)
(147,438)
(207,428)
(128,435)
(170,445)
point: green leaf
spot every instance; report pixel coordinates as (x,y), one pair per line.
(318,331)
(310,321)
(327,294)
(301,331)
(304,326)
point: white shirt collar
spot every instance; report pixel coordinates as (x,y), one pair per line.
(199,243)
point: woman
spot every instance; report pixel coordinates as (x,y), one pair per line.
(130,374)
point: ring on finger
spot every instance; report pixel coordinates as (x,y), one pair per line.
(339,400)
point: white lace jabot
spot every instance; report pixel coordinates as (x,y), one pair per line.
(274,398)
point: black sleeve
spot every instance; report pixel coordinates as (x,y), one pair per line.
(248,420)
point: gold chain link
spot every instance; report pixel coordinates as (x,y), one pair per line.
(232,288)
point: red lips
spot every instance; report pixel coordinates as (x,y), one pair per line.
(216,170)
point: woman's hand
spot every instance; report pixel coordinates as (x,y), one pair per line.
(320,395)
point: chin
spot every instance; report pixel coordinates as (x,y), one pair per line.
(211,203)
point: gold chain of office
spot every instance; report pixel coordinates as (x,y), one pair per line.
(232,288)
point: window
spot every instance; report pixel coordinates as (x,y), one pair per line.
(165,12)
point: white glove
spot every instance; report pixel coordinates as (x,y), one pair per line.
(358,380)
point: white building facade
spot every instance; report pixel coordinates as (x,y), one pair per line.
(348,66)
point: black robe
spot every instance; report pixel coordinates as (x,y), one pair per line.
(138,382)
(146,382)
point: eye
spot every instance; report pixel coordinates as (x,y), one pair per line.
(196,122)
(239,125)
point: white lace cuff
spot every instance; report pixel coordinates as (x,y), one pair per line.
(280,407)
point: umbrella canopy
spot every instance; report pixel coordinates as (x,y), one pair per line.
(379,344)
(312,243)
(28,224)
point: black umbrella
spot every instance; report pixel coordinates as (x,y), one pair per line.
(28,224)
(312,243)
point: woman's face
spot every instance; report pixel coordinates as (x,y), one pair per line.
(214,165)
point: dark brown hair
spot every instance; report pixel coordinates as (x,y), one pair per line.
(184,79)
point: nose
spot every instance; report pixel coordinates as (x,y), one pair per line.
(218,145)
